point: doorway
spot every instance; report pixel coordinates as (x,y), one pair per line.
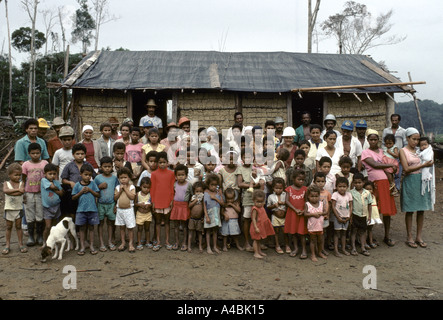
(311,102)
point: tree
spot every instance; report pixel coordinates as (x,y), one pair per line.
(102,16)
(312,18)
(22,38)
(357,31)
(83,25)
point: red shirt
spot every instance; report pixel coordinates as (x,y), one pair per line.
(54,144)
(162,188)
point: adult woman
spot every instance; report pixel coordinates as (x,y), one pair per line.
(92,147)
(288,139)
(330,151)
(412,201)
(372,159)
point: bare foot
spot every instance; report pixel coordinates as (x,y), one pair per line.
(256,255)
(189,249)
(346,253)
(216,250)
(321,255)
(225,249)
(314,258)
(337,254)
(263,254)
(324,252)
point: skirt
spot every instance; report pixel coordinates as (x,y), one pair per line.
(180,211)
(265,227)
(411,199)
(295,223)
(385,201)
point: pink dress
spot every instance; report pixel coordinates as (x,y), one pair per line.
(263,224)
(315,224)
(295,223)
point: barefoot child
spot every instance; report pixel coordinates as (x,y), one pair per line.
(143,217)
(325,197)
(345,164)
(390,156)
(375,215)
(261,226)
(230,226)
(124,195)
(212,203)
(342,209)
(315,213)
(195,224)
(14,190)
(180,209)
(277,204)
(86,217)
(106,182)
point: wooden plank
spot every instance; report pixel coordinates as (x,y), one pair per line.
(385,74)
(82,68)
(289,109)
(357,86)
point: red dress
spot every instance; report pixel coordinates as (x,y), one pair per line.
(162,188)
(293,222)
(263,224)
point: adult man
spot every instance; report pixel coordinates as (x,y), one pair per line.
(238,119)
(114,127)
(42,129)
(303,131)
(55,143)
(156,121)
(329,123)
(279,124)
(349,144)
(360,127)
(400,140)
(21,146)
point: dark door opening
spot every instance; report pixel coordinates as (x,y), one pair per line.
(311,102)
(139,109)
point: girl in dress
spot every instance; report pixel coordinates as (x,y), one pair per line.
(277,205)
(315,212)
(180,211)
(261,226)
(295,220)
(212,202)
(375,215)
(390,156)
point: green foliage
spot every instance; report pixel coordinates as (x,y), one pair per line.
(83,25)
(21,39)
(431,113)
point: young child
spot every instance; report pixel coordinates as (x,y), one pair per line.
(153,143)
(124,195)
(345,164)
(14,190)
(32,174)
(64,155)
(143,217)
(391,156)
(375,215)
(299,163)
(325,197)
(151,158)
(209,167)
(162,197)
(261,226)
(315,212)
(212,204)
(52,192)
(133,153)
(118,152)
(180,209)
(195,168)
(279,169)
(295,223)
(305,145)
(230,225)
(325,165)
(427,173)
(86,217)
(105,141)
(195,224)
(342,208)
(106,183)
(361,213)
(277,204)
(227,173)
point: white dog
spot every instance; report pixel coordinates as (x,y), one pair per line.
(59,235)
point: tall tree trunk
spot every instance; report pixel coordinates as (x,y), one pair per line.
(11,114)
(312,18)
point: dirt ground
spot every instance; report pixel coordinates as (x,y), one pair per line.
(402,273)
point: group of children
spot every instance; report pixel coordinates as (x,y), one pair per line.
(242,202)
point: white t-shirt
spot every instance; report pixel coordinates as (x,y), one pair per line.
(335,158)
(156,121)
(356,148)
(61,158)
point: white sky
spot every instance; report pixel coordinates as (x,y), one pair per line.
(257,25)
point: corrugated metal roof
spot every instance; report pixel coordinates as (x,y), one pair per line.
(231,71)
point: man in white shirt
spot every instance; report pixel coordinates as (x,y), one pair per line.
(329,123)
(349,144)
(238,119)
(156,121)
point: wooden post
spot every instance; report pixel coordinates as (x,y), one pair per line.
(64,93)
(416,108)
(289,109)
(174,106)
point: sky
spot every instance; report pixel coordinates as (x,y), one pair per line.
(255,26)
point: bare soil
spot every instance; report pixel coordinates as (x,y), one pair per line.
(403,273)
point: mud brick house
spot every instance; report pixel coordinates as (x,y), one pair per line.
(211,86)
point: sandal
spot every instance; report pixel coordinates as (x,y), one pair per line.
(373,245)
(365,252)
(411,244)
(169,246)
(389,242)
(103,249)
(422,244)
(132,250)
(174,247)
(23,249)
(279,250)
(354,252)
(122,248)
(303,256)
(81,252)
(184,247)
(6,250)
(149,245)
(140,247)
(156,247)
(112,247)
(93,252)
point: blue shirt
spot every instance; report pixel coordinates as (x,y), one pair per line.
(106,195)
(86,202)
(21,149)
(50,199)
(72,173)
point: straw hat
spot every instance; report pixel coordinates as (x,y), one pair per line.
(58,121)
(151,103)
(66,131)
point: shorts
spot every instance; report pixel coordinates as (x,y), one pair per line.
(230,227)
(163,211)
(359,223)
(340,226)
(195,224)
(325,223)
(106,210)
(247,212)
(142,217)
(12,215)
(33,207)
(52,213)
(277,222)
(316,233)
(83,218)
(125,217)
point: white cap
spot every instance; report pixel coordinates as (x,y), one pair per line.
(288,132)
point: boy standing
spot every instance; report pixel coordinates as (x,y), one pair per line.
(133,153)
(105,141)
(21,146)
(32,174)
(151,158)
(63,156)
(85,191)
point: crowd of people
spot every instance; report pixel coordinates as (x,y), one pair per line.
(312,190)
